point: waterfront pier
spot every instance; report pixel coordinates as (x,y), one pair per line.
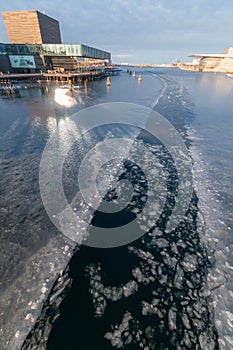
(7,80)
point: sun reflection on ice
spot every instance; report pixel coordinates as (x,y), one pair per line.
(64,98)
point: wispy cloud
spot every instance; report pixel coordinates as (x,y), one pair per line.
(141,29)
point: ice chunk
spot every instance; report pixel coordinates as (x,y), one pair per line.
(172,319)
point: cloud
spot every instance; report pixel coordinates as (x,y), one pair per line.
(140,27)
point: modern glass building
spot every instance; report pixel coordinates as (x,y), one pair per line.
(35,45)
(50,56)
(75,50)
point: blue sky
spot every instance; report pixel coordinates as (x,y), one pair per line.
(139,31)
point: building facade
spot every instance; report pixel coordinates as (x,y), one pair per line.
(216,62)
(31,27)
(35,46)
(31,58)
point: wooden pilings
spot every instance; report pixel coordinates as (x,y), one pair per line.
(70,83)
(69,78)
(108,81)
(80,76)
(7,88)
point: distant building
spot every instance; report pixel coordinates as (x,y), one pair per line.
(216,62)
(193,66)
(31,27)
